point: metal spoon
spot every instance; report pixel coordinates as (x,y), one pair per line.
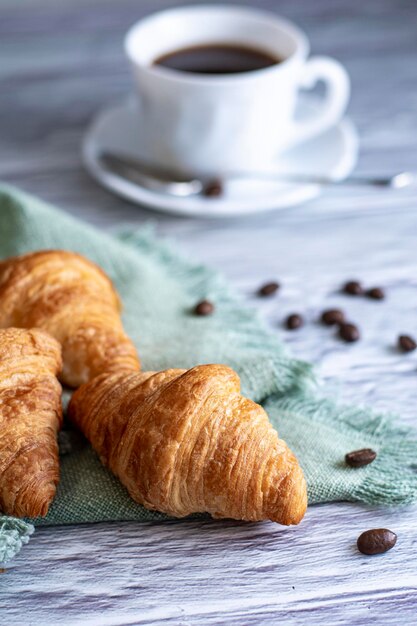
(170,181)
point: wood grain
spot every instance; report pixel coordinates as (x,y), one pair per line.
(211,573)
(62,61)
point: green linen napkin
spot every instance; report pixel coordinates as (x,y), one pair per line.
(159,289)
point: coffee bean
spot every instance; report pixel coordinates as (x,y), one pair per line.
(376,293)
(353,288)
(213,189)
(406,343)
(359,458)
(349,332)
(204,308)
(294,321)
(376,541)
(268,289)
(331,317)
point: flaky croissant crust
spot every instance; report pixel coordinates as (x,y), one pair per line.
(30,417)
(187,441)
(73,299)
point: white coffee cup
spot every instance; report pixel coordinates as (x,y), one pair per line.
(212,123)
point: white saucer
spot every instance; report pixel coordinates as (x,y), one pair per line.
(332,154)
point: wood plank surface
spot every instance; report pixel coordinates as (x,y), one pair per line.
(60,62)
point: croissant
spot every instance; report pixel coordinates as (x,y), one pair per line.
(186,441)
(30,417)
(73,299)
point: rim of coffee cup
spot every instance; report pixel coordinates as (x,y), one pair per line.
(146,63)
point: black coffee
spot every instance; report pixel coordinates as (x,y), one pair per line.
(217,59)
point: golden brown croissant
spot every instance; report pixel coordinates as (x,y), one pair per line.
(74,300)
(186,441)
(30,417)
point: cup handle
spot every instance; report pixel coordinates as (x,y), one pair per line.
(337,83)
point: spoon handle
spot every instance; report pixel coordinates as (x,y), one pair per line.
(179,183)
(397,181)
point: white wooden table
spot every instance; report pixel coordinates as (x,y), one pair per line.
(61,61)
